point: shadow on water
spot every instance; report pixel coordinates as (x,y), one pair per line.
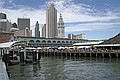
(68,68)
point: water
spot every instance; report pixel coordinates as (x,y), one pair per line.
(66,68)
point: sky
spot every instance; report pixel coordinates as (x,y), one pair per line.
(98,19)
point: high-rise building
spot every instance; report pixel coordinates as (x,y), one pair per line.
(79,36)
(37,32)
(3,16)
(51,22)
(5,25)
(61,28)
(23,23)
(70,36)
(24,32)
(44,30)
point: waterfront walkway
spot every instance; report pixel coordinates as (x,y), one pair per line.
(3,72)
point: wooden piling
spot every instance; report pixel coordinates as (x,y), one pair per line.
(109,55)
(34,54)
(22,61)
(117,55)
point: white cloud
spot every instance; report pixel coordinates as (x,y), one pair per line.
(90,26)
(72,12)
(80,12)
(34,15)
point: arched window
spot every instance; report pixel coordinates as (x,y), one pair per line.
(54,41)
(67,41)
(43,41)
(74,42)
(31,41)
(58,41)
(48,41)
(63,41)
(38,41)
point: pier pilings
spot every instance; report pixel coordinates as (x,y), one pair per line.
(83,54)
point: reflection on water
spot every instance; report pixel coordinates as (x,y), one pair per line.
(68,68)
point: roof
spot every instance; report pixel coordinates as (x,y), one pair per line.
(107,45)
(7,44)
(113,40)
(50,38)
(87,44)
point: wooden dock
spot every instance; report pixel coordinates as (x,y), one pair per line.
(101,54)
(29,56)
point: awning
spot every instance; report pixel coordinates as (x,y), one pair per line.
(7,44)
(107,45)
(87,44)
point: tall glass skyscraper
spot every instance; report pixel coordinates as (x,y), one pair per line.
(51,22)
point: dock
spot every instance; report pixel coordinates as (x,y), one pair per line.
(77,53)
(3,72)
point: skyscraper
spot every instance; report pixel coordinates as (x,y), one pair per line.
(23,23)
(37,32)
(3,16)
(60,27)
(44,30)
(5,25)
(24,27)
(51,22)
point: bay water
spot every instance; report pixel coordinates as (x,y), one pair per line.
(68,68)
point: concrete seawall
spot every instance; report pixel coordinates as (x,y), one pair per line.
(3,72)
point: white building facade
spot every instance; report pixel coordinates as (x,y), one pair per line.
(78,36)
(51,22)
(61,28)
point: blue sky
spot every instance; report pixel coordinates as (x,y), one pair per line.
(98,19)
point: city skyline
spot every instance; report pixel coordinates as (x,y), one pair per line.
(98,19)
